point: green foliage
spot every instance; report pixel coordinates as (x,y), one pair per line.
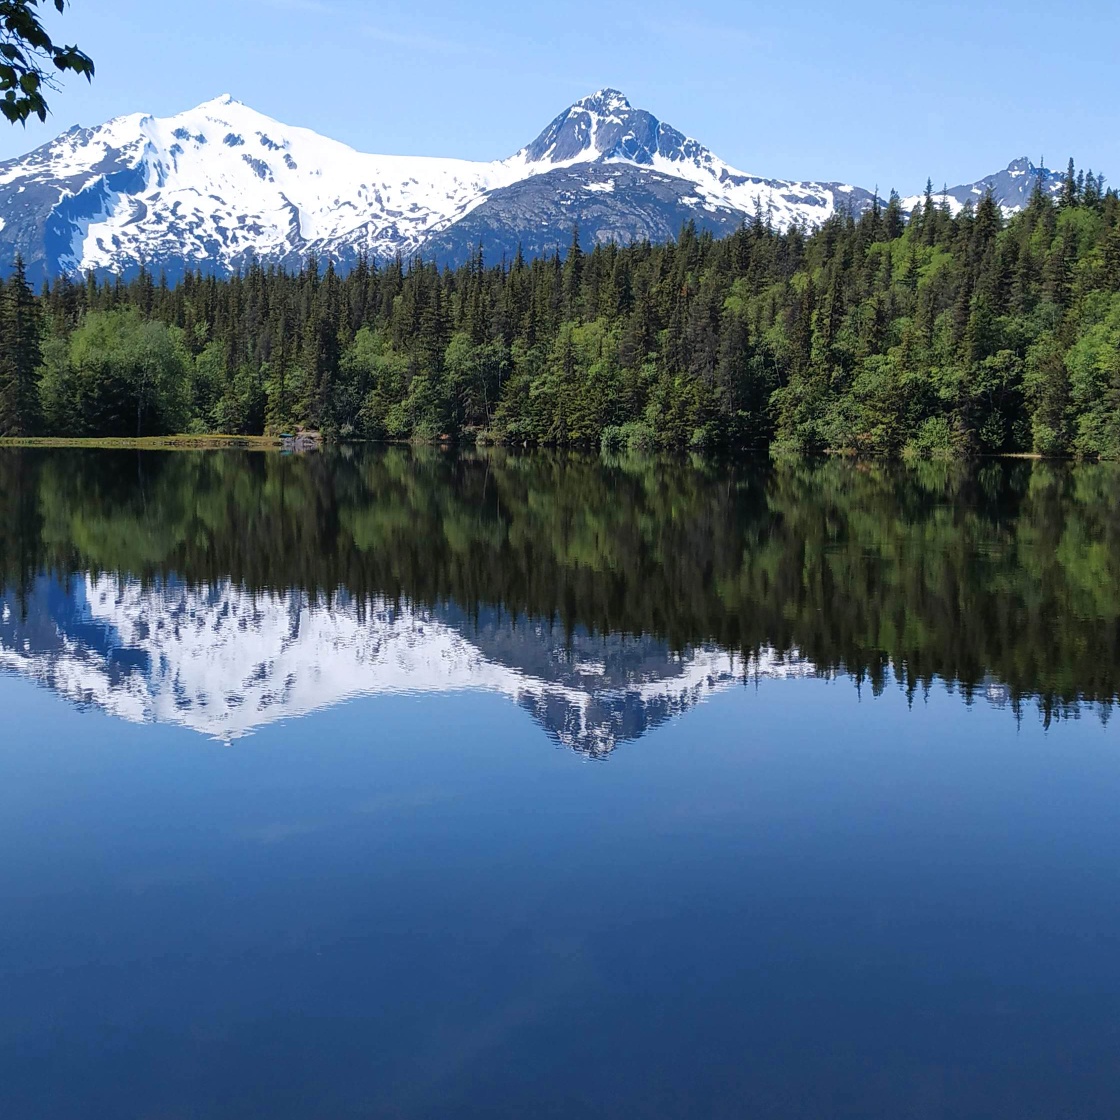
(935,439)
(941,336)
(20,355)
(30,61)
(1094,376)
(635,437)
(128,376)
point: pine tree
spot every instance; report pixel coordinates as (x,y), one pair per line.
(1111,277)
(20,356)
(893,221)
(1069,195)
(1091,193)
(929,215)
(573,275)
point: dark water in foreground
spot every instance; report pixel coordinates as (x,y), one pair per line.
(393,784)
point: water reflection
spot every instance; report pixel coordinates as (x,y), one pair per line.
(224,661)
(223,592)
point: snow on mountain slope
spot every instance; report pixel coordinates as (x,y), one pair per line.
(1011,188)
(221,183)
(606,128)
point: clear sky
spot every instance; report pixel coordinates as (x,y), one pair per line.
(874,94)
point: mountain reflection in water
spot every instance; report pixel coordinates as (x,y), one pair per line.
(224,661)
(225,591)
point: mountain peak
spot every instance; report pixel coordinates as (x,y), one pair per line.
(222,105)
(605,127)
(1011,188)
(220,184)
(604,101)
(225,110)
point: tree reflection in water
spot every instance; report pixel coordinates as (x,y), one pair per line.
(589,578)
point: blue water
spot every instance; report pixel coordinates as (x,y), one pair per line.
(796,900)
(396,784)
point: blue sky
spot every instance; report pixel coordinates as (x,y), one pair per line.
(874,95)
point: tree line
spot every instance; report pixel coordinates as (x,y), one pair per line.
(884,334)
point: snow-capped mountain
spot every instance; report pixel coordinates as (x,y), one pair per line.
(222,184)
(1011,188)
(224,661)
(217,185)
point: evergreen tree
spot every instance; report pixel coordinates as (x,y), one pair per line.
(1070,192)
(573,276)
(893,221)
(20,356)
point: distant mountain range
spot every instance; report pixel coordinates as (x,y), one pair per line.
(220,185)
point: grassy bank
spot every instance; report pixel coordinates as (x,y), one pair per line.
(156,443)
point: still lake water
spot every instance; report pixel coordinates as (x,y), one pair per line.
(411,784)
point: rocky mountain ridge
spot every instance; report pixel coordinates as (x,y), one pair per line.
(220,185)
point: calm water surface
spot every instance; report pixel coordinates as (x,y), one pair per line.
(412,784)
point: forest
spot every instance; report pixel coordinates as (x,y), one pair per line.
(881,335)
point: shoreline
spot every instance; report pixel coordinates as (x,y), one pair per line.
(149,443)
(280,443)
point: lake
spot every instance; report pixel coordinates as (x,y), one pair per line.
(417,783)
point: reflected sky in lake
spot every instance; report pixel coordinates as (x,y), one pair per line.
(285,835)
